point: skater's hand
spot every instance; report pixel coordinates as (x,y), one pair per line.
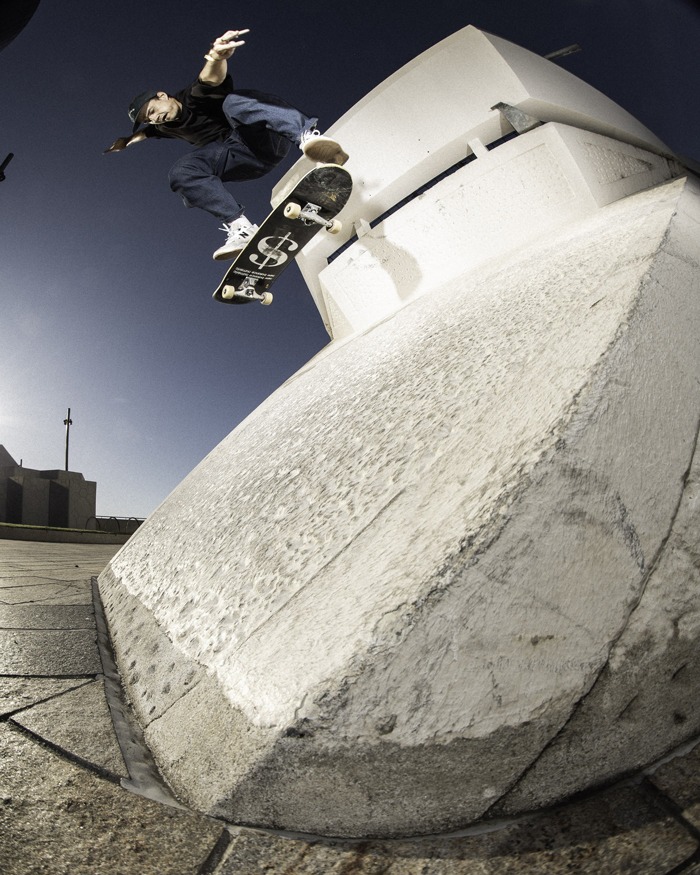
(225,45)
(122,142)
(118,145)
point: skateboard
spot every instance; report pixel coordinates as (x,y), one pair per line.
(310,207)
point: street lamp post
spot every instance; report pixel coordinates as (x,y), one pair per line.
(67,422)
(4,164)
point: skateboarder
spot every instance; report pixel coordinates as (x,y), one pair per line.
(238,135)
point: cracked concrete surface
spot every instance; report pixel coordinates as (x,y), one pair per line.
(462,576)
(657,650)
(63,811)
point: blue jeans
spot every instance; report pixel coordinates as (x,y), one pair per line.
(263,129)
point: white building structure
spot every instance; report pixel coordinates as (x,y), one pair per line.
(436,118)
(462,582)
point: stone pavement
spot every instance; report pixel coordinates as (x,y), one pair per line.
(64,809)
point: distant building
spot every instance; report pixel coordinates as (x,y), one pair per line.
(60,499)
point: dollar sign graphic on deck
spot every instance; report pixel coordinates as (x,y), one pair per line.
(272,252)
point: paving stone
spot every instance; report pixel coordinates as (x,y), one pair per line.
(46,617)
(616,832)
(57,818)
(692,814)
(79,723)
(679,779)
(46,592)
(20,693)
(41,574)
(49,653)
(37,556)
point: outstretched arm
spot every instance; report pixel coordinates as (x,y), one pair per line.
(215,69)
(212,73)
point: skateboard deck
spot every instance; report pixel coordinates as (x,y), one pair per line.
(310,207)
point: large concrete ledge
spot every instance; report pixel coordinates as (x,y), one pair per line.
(461,579)
(525,190)
(437,110)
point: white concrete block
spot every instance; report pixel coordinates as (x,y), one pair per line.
(508,197)
(427,113)
(464,520)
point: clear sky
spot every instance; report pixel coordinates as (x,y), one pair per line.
(106,279)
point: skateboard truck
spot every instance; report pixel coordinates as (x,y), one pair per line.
(246,292)
(310,213)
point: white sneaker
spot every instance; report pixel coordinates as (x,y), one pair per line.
(238,233)
(322,149)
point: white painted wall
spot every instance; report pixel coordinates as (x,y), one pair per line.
(421,120)
(514,195)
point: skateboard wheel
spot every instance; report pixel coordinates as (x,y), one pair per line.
(334,227)
(292,210)
(266,299)
(228,292)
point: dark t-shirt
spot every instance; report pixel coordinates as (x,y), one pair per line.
(202,119)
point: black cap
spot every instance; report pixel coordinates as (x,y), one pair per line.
(137,105)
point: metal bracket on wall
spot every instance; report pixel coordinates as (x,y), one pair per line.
(520,121)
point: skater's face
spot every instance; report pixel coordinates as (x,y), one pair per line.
(160,109)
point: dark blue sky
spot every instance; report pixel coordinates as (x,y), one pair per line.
(106,279)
